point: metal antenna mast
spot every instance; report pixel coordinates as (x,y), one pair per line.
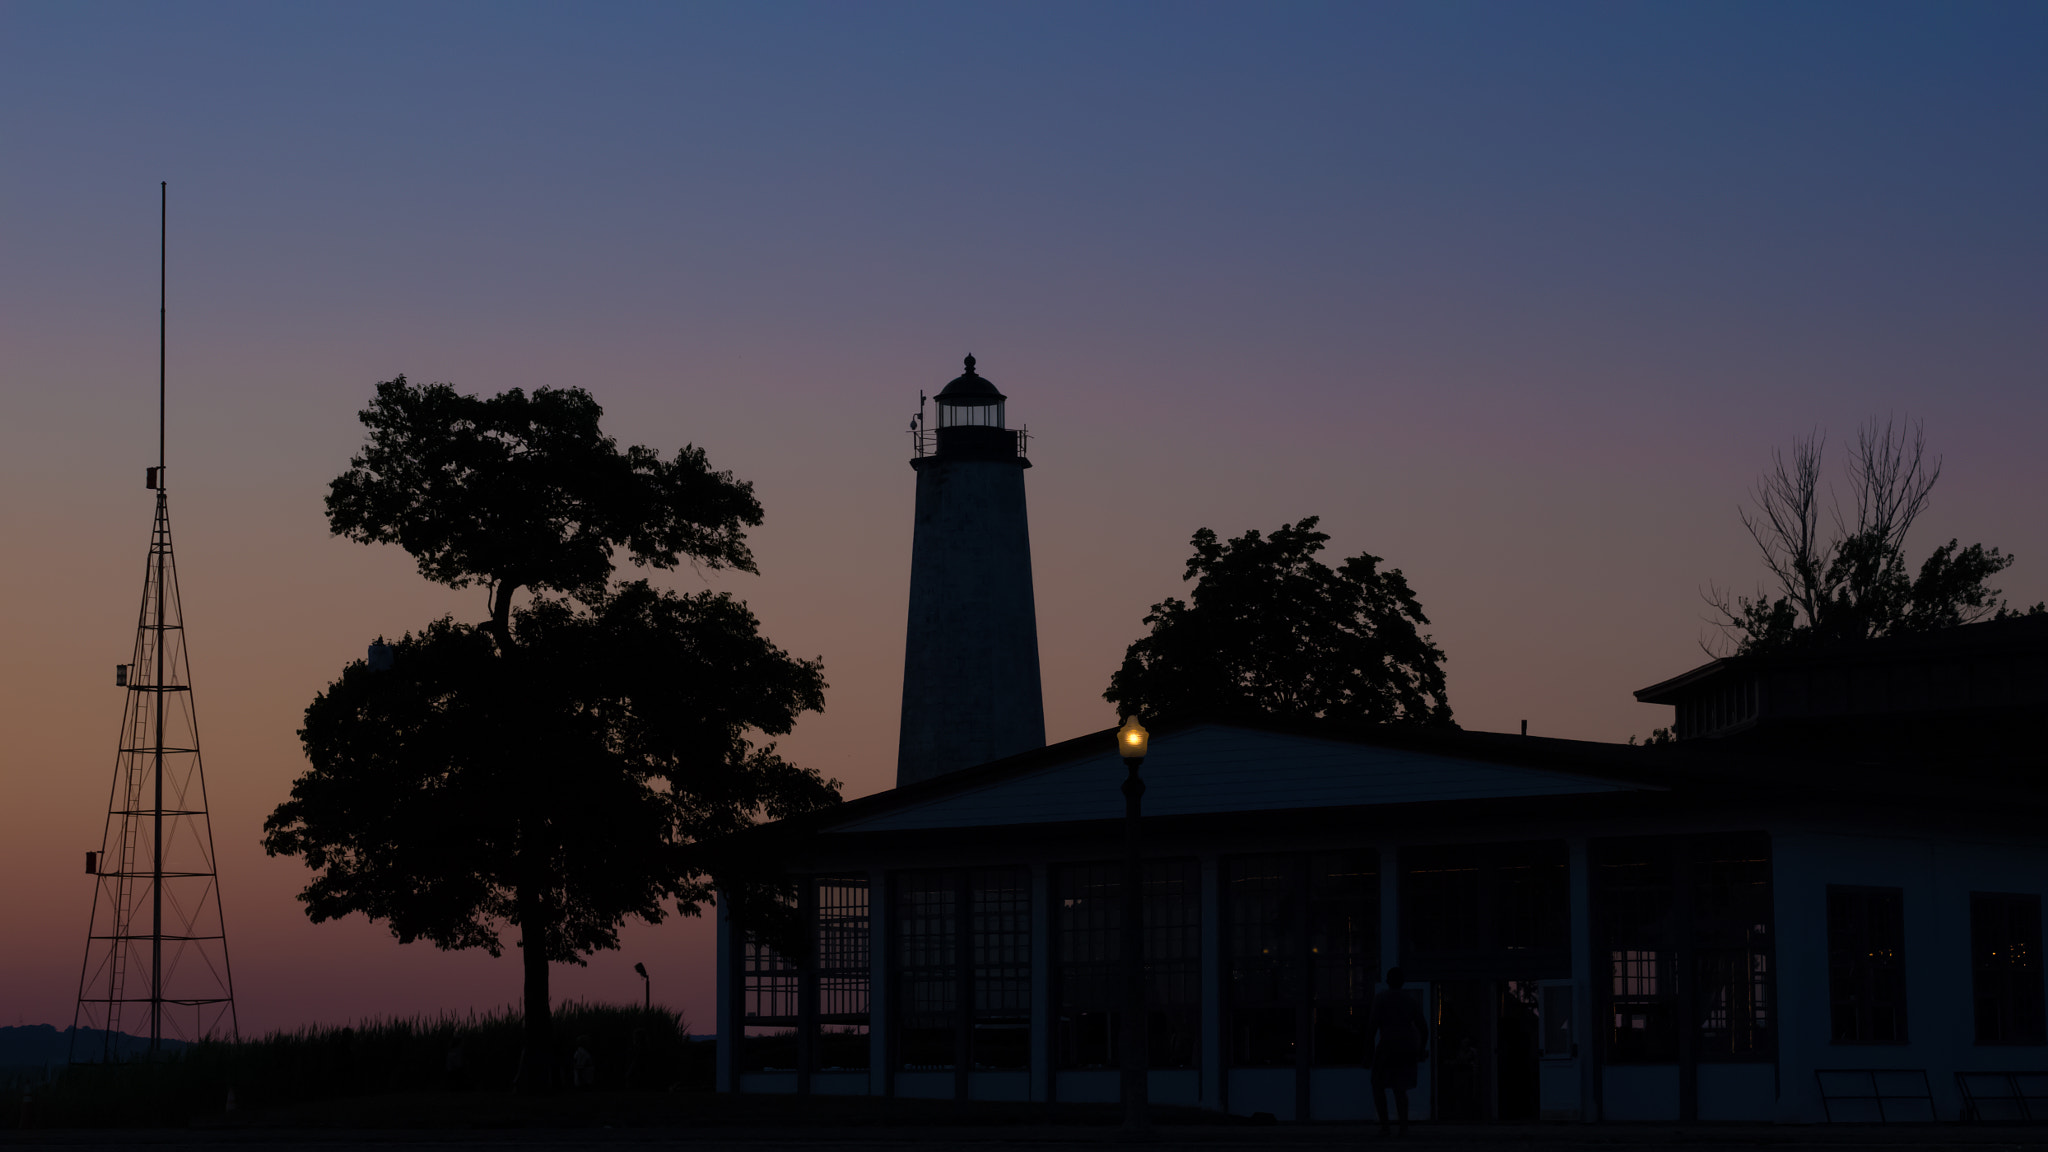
(159,793)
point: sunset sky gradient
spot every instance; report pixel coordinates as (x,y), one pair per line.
(1519,297)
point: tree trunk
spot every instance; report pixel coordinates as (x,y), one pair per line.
(537,1042)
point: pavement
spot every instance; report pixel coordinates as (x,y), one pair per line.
(923,1138)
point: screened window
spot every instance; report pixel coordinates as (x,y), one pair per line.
(1173,962)
(1487,908)
(1344,947)
(1732,946)
(1556,1018)
(1866,965)
(843,974)
(1263,910)
(1633,926)
(2005,954)
(769,1010)
(1699,901)
(1087,919)
(963,954)
(1532,901)
(1441,899)
(1302,938)
(999,944)
(927,944)
(1088,925)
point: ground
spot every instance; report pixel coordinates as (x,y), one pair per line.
(707,1122)
(1425,1138)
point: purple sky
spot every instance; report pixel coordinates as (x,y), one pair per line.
(1519,297)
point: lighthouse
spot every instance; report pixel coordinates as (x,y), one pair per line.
(970,664)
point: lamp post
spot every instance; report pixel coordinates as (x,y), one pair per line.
(646,985)
(1132,741)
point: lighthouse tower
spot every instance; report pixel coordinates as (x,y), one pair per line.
(970,663)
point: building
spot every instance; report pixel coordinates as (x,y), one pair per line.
(1838,865)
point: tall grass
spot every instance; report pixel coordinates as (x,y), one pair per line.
(634,1049)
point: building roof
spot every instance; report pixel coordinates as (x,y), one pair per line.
(2014,634)
(1280,773)
(1212,768)
(970,389)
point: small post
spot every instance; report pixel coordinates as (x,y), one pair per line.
(647,985)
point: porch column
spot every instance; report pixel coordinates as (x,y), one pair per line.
(1390,907)
(881,1071)
(1211,984)
(807,987)
(1041,983)
(728,1019)
(1584,1042)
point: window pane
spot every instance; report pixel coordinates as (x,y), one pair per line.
(1633,898)
(1000,945)
(1173,962)
(769,1010)
(1866,965)
(927,957)
(1557,1021)
(843,974)
(1732,945)
(1344,943)
(1441,899)
(1086,919)
(1262,910)
(1532,911)
(2005,945)
(1088,926)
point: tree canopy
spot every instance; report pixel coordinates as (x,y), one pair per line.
(519,491)
(1269,630)
(558,766)
(1855,582)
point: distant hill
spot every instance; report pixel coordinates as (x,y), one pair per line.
(39,1045)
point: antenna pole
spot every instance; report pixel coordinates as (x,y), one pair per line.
(162,265)
(156,884)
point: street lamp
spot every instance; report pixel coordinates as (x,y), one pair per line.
(646,984)
(1132,742)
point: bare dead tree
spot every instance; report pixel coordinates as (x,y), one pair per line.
(1892,477)
(1853,583)
(1786,522)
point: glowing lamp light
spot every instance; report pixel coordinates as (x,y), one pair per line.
(1132,740)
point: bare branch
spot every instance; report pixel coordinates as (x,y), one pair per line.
(1786,523)
(1893,477)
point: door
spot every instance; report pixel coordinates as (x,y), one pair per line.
(1462,1051)
(1518,1051)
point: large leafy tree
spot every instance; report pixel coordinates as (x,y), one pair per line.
(1841,570)
(1271,631)
(555,767)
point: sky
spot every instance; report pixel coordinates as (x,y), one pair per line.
(1519,297)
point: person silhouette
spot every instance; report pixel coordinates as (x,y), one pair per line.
(583,1064)
(1399,1032)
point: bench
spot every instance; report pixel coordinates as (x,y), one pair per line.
(2003,1097)
(1885,1095)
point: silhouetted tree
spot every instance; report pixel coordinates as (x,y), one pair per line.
(1270,630)
(1856,584)
(556,767)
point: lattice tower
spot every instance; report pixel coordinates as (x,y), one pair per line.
(156,953)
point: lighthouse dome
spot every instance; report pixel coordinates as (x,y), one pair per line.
(970,400)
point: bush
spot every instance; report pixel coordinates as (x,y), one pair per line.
(635,1049)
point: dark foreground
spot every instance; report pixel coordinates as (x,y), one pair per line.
(704,1122)
(984,1139)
